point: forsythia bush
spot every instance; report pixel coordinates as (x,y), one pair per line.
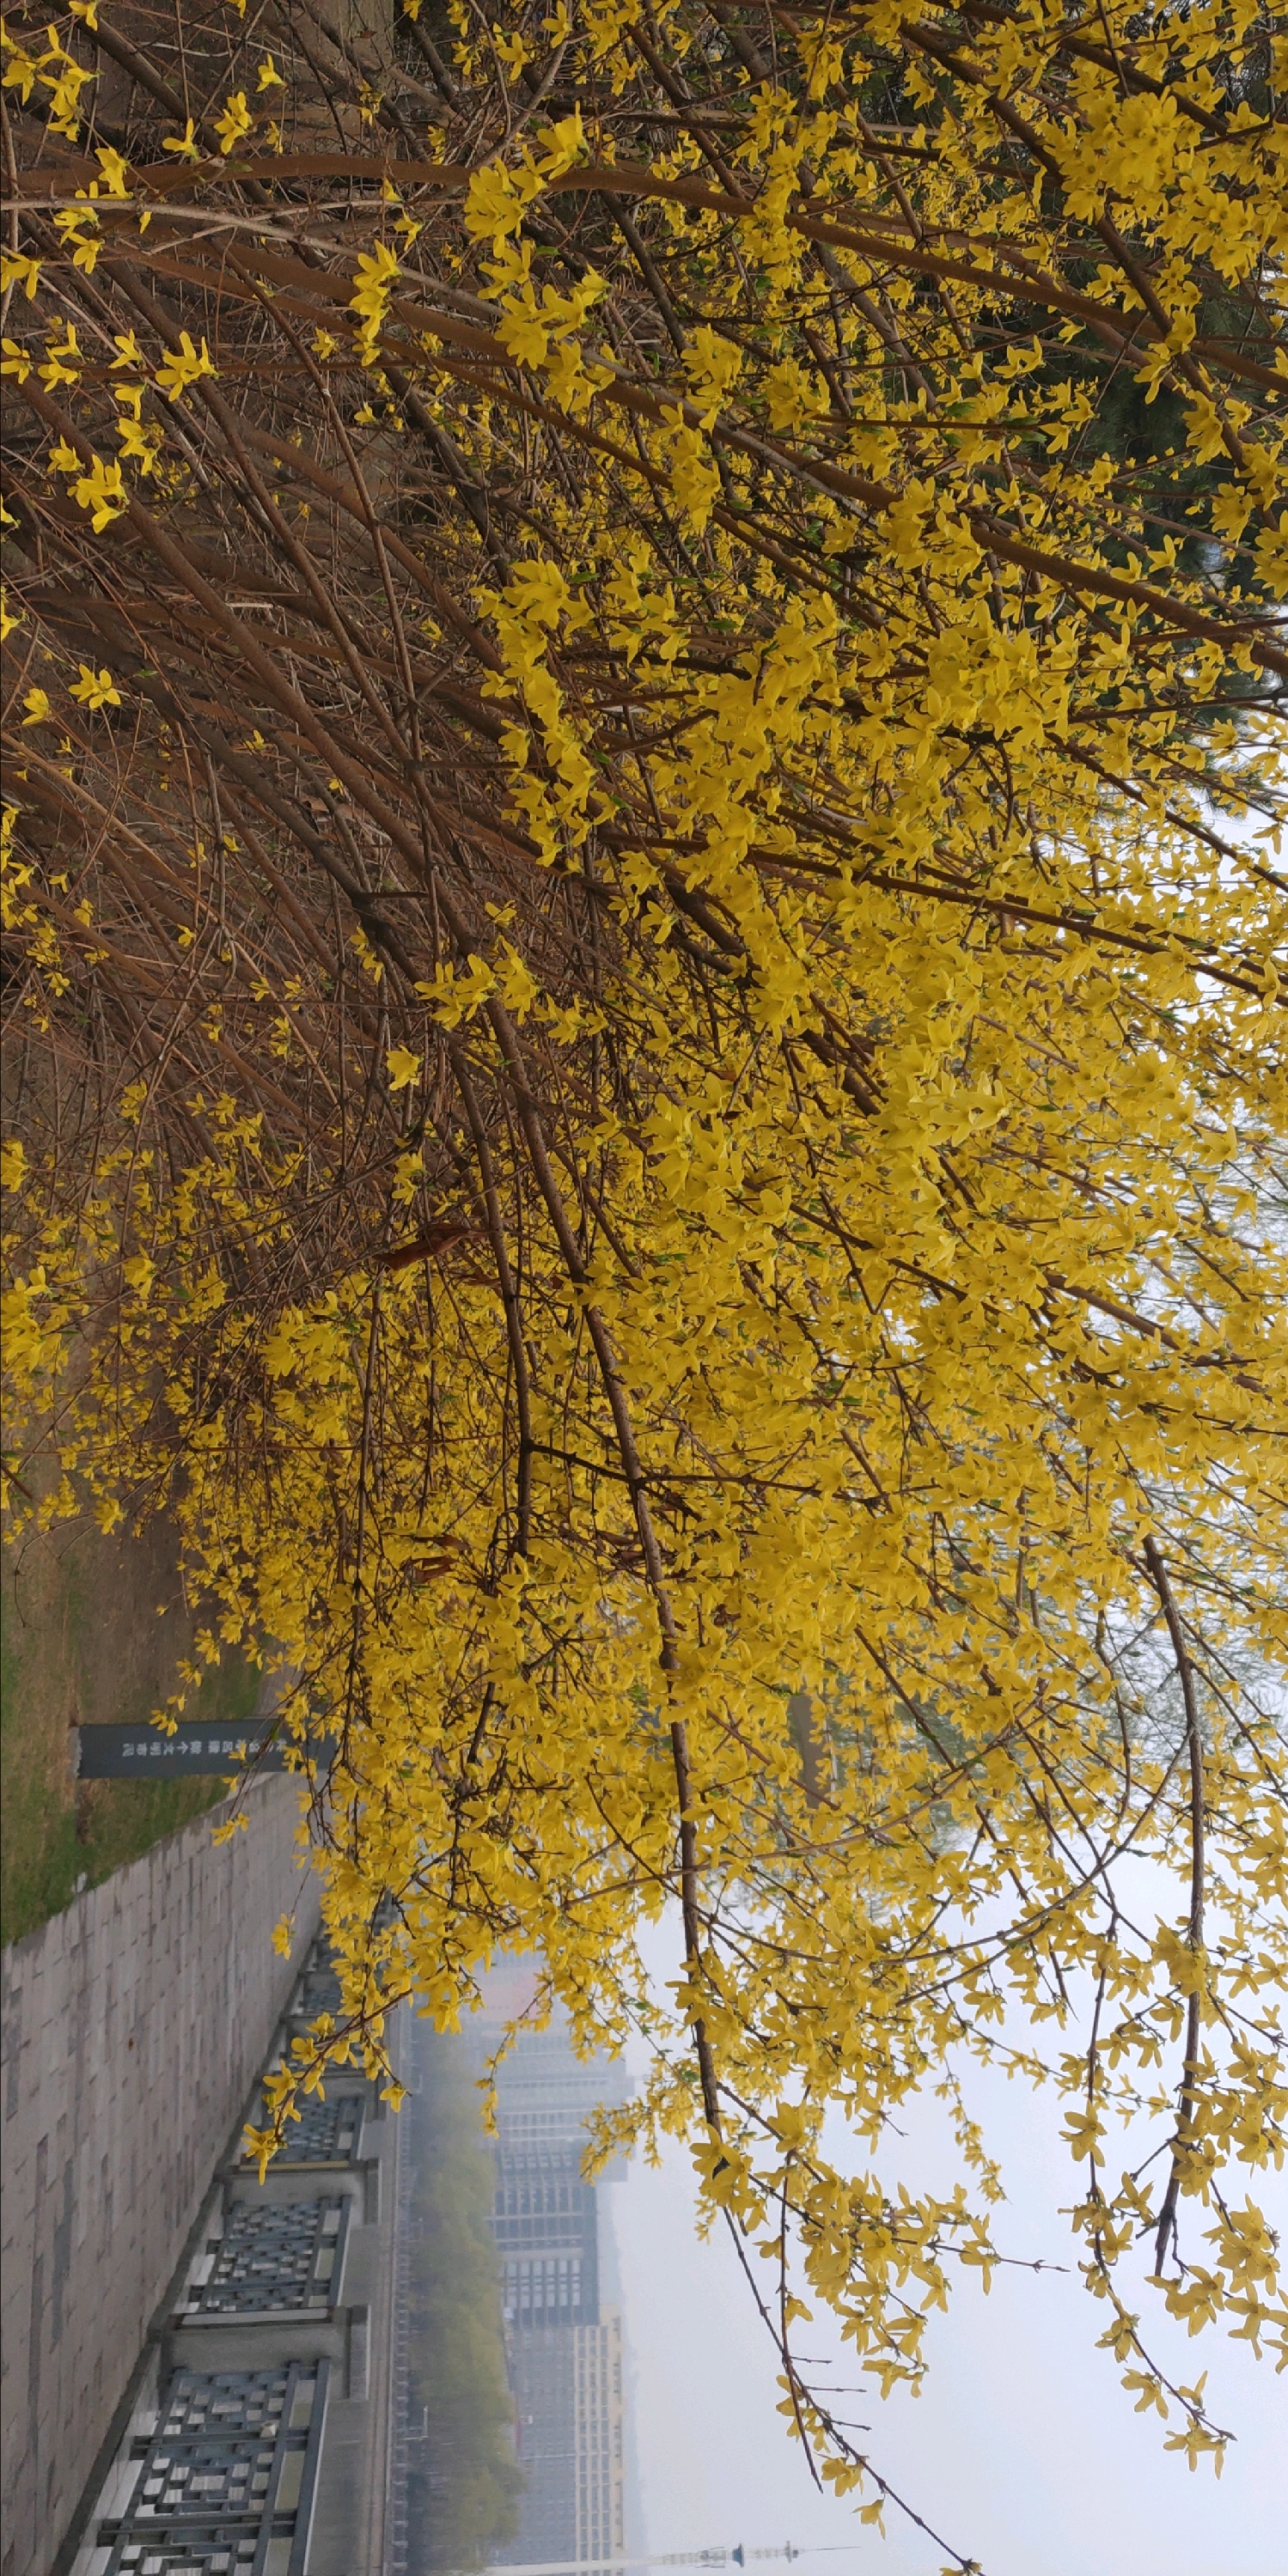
(645,936)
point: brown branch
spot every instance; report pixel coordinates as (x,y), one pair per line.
(1166,2231)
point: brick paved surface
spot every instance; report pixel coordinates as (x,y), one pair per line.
(132,2026)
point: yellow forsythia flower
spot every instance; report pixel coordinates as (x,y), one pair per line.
(235,121)
(103,492)
(16,270)
(95,689)
(184,368)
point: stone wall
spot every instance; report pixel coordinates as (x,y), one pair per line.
(133,2026)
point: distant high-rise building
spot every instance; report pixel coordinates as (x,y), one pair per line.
(564,2351)
(544,2224)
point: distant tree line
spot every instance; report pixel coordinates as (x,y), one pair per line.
(463,2492)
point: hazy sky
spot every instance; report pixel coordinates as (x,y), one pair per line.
(1025,2450)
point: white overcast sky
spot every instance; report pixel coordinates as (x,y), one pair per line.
(1024,2449)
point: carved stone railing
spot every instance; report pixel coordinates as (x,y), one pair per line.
(265,2388)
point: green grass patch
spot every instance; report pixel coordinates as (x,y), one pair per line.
(81,1643)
